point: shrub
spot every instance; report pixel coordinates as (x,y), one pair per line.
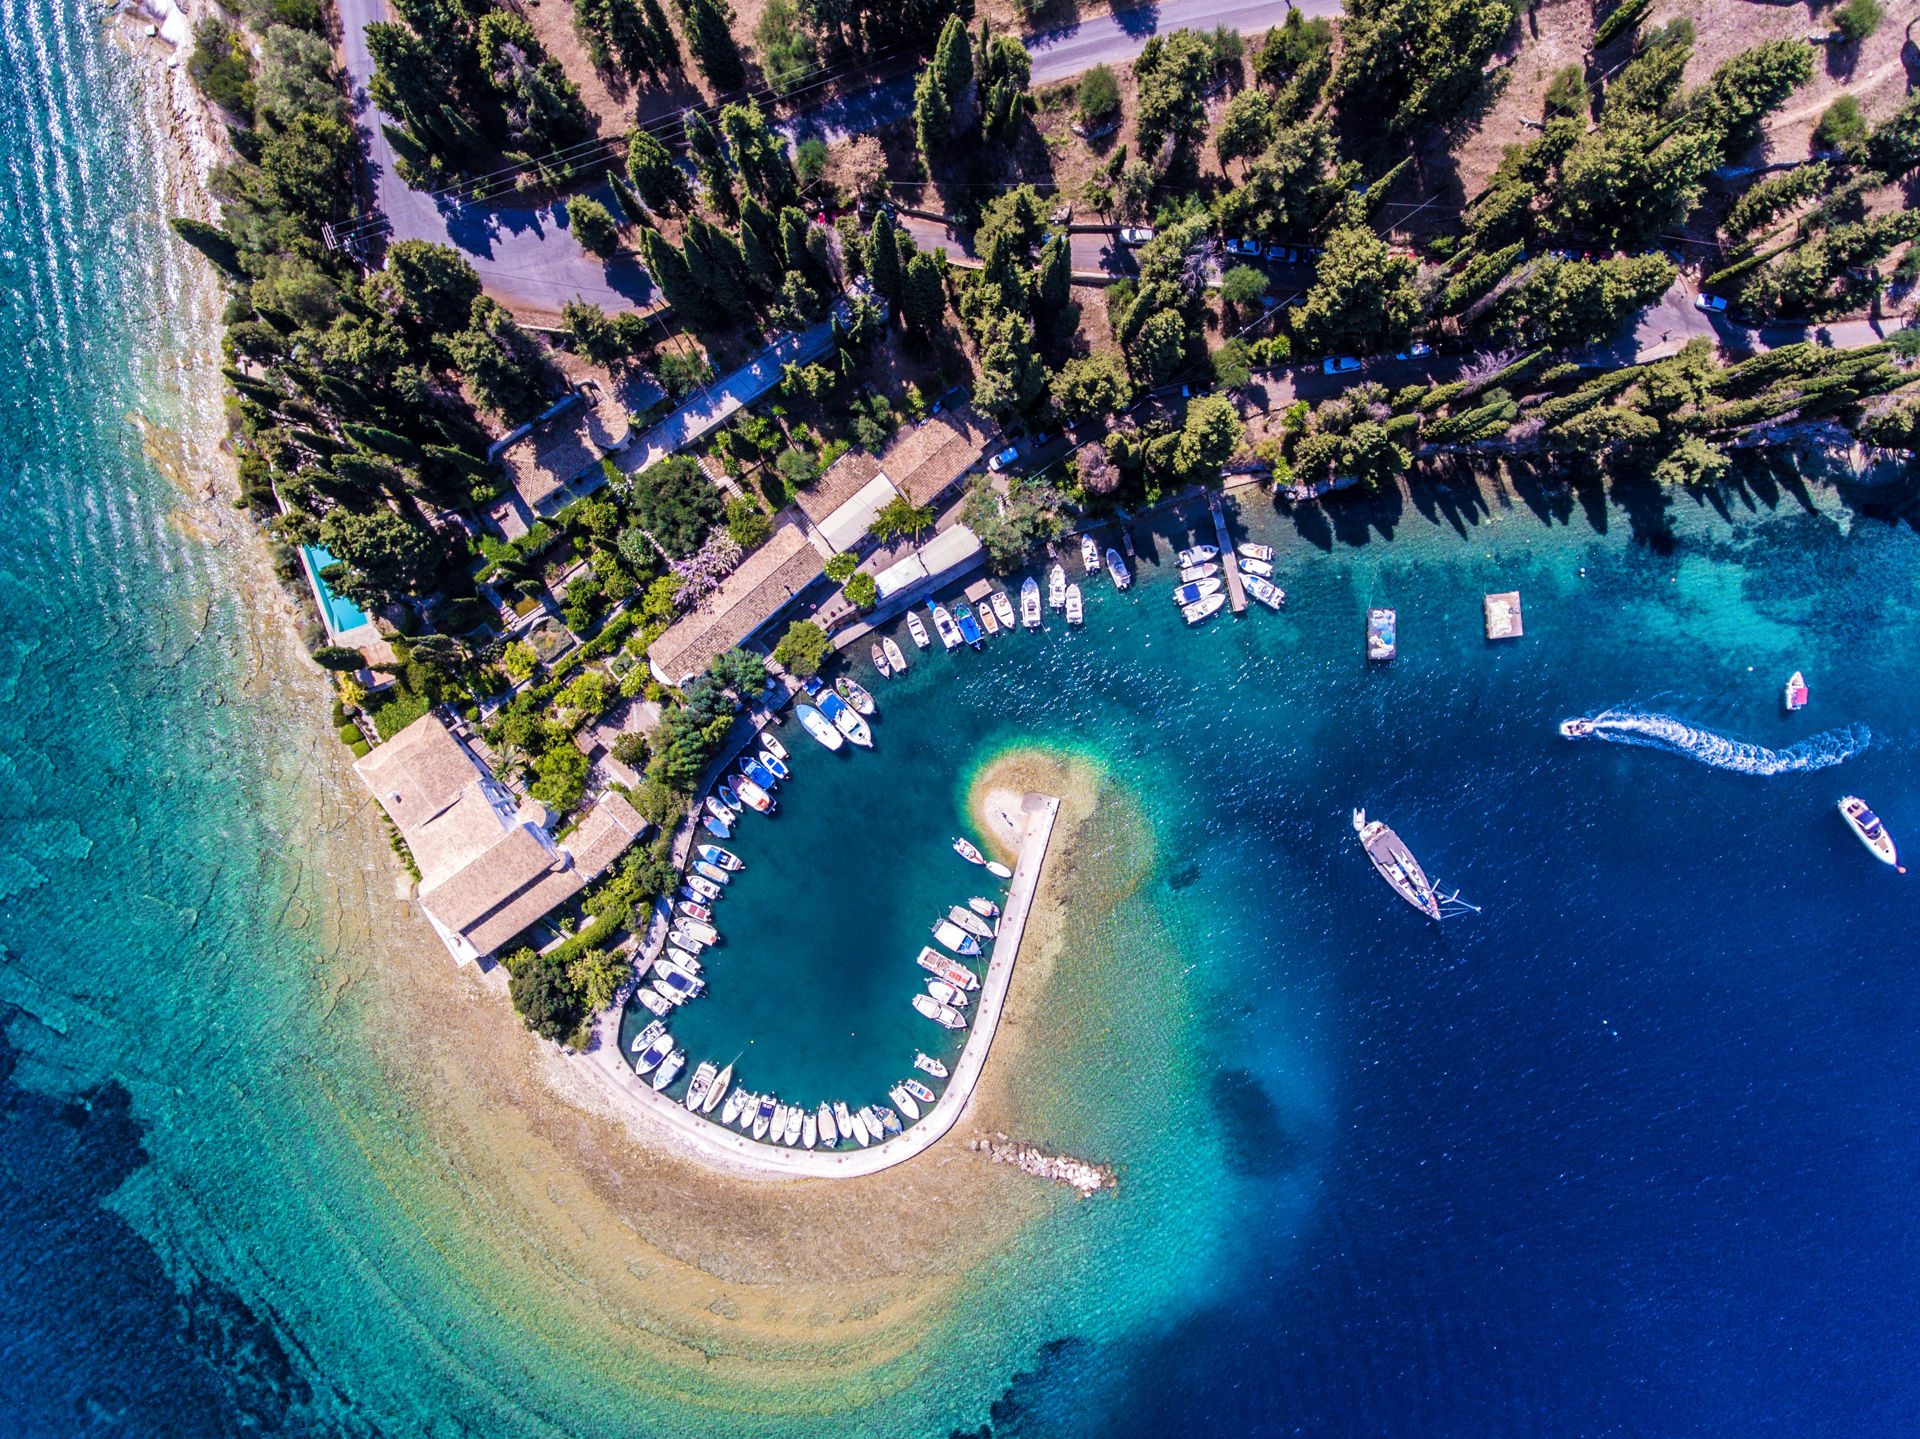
(1567,95)
(340,658)
(796,467)
(1842,128)
(747,524)
(593,226)
(841,567)
(1858,19)
(861,591)
(802,648)
(350,734)
(1099,95)
(811,160)
(519,660)
(360,749)
(397,713)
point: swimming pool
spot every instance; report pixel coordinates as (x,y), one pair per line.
(340,613)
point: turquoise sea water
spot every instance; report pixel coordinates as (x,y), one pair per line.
(1631,1152)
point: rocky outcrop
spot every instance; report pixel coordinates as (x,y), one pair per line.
(1060,1168)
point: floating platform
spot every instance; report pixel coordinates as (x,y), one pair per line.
(1503,615)
(1382,634)
(1229,561)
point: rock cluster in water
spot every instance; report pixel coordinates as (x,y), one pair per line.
(1060,1168)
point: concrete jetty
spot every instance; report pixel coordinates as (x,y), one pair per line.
(737,1153)
(1229,561)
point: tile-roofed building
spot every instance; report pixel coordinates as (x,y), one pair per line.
(558,459)
(604,835)
(924,462)
(843,479)
(488,867)
(753,594)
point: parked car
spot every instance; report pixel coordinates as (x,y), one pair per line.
(1710,304)
(1418,350)
(1004,458)
(1340,365)
(1276,253)
(1136,234)
(1044,438)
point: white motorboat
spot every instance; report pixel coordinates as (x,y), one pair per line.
(1089,555)
(903,1102)
(701,888)
(705,933)
(951,970)
(756,798)
(702,1081)
(855,695)
(647,1036)
(1201,609)
(1074,612)
(829,1131)
(763,1115)
(774,765)
(693,909)
(842,1121)
(712,873)
(1057,587)
(983,906)
(1797,693)
(1247,550)
(772,745)
(916,627)
(1117,567)
(658,1049)
(679,980)
(853,727)
(720,810)
(819,726)
(809,1129)
(743,1112)
(1030,603)
(927,1064)
(918,1090)
(1256,567)
(669,1069)
(1197,555)
(896,656)
(718,1088)
(724,858)
(653,1003)
(955,938)
(1003,610)
(678,935)
(944,626)
(790,1136)
(1265,591)
(1200,572)
(1868,829)
(947,993)
(863,1134)
(941,1014)
(730,1111)
(967,852)
(685,960)
(969,921)
(995,867)
(1191,594)
(777,1126)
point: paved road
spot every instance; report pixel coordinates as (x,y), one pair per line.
(527,258)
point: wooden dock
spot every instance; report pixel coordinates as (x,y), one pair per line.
(1229,562)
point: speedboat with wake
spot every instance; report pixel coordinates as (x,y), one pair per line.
(1576,728)
(819,726)
(1868,829)
(916,627)
(1117,567)
(1057,587)
(1030,603)
(1192,594)
(1401,870)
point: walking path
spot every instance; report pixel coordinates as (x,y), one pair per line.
(1229,561)
(738,1154)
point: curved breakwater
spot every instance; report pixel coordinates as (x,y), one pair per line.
(1718,751)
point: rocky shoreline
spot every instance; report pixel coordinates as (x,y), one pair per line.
(1060,1168)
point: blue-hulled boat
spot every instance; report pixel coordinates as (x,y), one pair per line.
(969,627)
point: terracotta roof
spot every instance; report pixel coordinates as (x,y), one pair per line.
(554,455)
(923,462)
(503,923)
(844,479)
(419,772)
(745,600)
(604,836)
(510,865)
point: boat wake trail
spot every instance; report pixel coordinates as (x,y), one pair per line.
(1676,736)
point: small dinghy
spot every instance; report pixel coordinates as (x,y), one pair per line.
(1030,603)
(854,695)
(927,1064)
(714,872)
(1867,828)
(1247,550)
(1201,609)
(728,795)
(967,852)
(1797,692)
(669,1069)
(1192,594)
(989,622)
(944,626)
(880,662)
(916,627)
(1117,567)
(983,906)
(819,726)
(995,867)
(725,858)
(968,920)
(951,970)
(1057,587)
(1074,613)
(942,1014)
(1265,591)
(953,937)
(753,796)
(1089,555)
(1197,555)
(896,656)
(947,993)
(1256,567)
(918,1090)
(1200,572)
(903,1101)
(1003,610)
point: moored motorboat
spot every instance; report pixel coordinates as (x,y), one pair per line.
(819,726)
(989,622)
(699,890)
(702,1081)
(829,1125)
(809,1130)
(719,810)
(685,959)
(678,935)
(671,980)
(715,828)
(1030,603)
(903,1101)
(693,909)
(651,1002)
(1256,567)
(1201,609)
(947,993)
(1117,567)
(1089,554)
(1197,555)
(969,631)
(730,1111)
(771,743)
(941,1014)
(707,870)
(743,1111)
(1074,612)
(927,1064)
(1057,586)
(763,1115)
(796,1121)
(754,797)
(969,921)
(863,1132)
(777,1126)
(951,970)
(845,720)
(880,662)
(1796,691)
(896,656)
(774,765)
(705,933)
(1868,829)
(1003,610)
(725,858)
(995,867)
(955,938)
(647,1036)
(967,852)
(854,694)
(981,905)
(1265,591)
(1199,572)
(887,1119)
(918,1090)
(728,795)
(944,626)
(917,629)
(717,1089)
(751,767)
(657,1049)
(1247,550)
(1195,592)
(669,1069)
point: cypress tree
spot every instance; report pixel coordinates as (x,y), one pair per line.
(728,273)
(677,286)
(661,183)
(923,301)
(1053,288)
(883,260)
(756,219)
(709,31)
(932,116)
(763,268)
(712,160)
(953,61)
(630,205)
(664,44)
(793,239)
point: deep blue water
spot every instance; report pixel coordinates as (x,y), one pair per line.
(1631,1152)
